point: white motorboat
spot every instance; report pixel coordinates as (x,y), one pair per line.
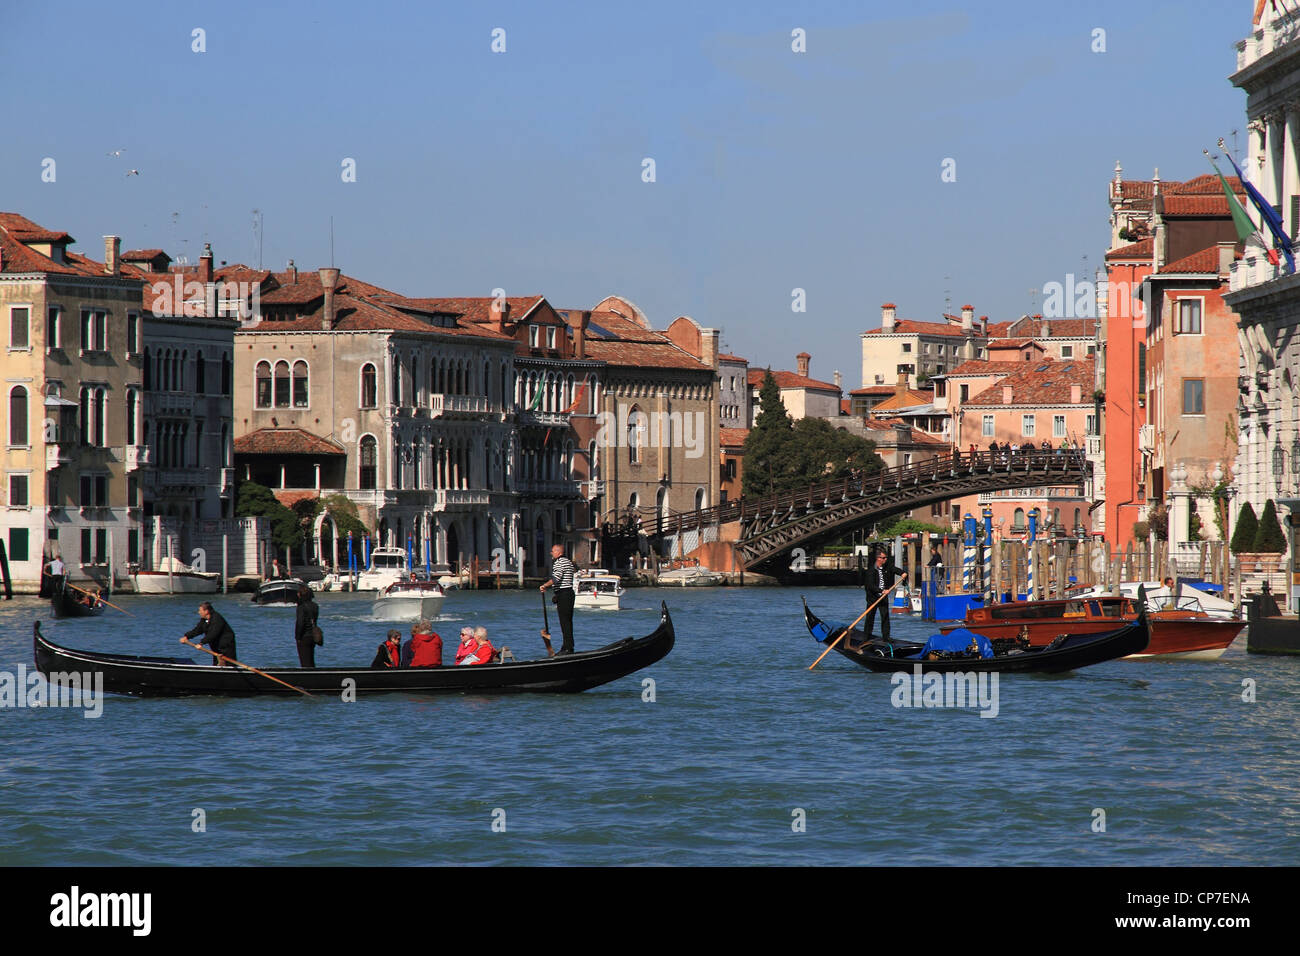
(408,600)
(597,589)
(1159,598)
(175,577)
(449,580)
(387,566)
(691,578)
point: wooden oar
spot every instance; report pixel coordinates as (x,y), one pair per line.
(223,657)
(849,628)
(546,630)
(100,597)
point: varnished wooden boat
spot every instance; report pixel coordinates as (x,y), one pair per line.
(1069,651)
(177,677)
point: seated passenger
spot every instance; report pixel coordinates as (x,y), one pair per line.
(483,652)
(426,646)
(467,644)
(390,652)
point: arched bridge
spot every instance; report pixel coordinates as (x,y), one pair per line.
(772,526)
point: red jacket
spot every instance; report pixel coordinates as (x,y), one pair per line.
(394,652)
(466,648)
(482,654)
(426,650)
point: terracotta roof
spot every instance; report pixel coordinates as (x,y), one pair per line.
(286,441)
(1041,383)
(1176,205)
(980,367)
(1030,327)
(732,437)
(917,327)
(1135,188)
(642,354)
(1142,249)
(791,380)
(307,288)
(15,230)
(915,435)
(1002,345)
(909,399)
(356,314)
(1206,261)
(846,406)
(874,390)
(1207,185)
(724,357)
(142,255)
(478,309)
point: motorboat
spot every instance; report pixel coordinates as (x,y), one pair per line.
(1185,597)
(597,589)
(279,591)
(173,576)
(387,566)
(409,600)
(690,578)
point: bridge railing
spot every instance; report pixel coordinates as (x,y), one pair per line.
(844,489)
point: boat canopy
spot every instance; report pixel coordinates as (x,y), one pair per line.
(956,641)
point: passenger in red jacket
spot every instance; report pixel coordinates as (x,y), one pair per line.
(426,646)
(482,652)
(467,644)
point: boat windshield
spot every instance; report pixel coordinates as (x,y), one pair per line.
(598,587)
(388,561)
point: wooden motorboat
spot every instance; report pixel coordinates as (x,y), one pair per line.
(178,676)
(1067,652)
(67,600)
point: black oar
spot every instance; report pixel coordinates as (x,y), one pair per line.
(546,630)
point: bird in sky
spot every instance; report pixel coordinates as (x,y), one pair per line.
(116,152)
(133,172)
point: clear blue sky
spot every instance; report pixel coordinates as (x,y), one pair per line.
(523,169)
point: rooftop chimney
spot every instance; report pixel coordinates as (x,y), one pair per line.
(802,360)
(708,346)
(1006,394)
(1076,394)
(580,336)
(499,310)
(293,273)
(968,319)
(887,313)
(205,264)
(900,388)
(329,278)
(837,380)
(984,325)
(1227,253)
(112,255)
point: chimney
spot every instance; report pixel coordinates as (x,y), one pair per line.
(837,380)
(708,346)
(500,312)
(887,313)
(329,278)
(205,264)
(984,326)
(801,362)
(1006,394)
(112,255)
(1076,394)
(968,319)
(1227,253)
(580,337)
(293,273)
(900,389)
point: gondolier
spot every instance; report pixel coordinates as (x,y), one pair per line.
(880,580)
(562,571)
(217,634)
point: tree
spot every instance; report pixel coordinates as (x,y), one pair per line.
(1269,538)
(256,501)
(1243,538)
(343,512)
(768,467)
(900,525)
(1158,521)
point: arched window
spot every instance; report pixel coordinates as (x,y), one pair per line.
(1077,514)
(200,374)
(635,434)
(225,446)
(147,371)
(18,415)
(282,384)
(101,417)
(701,499)
(263,377)
(1018,520)
(369,387)
(180,370)
(225,373)
(396,385)
(369,455)
(86,412)
(300,384)
(130,416)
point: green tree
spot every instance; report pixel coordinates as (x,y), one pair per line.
(1269,538)
(1243,538)
(343,511)
(768,464)
(257,501)
(823,452)
(901,525)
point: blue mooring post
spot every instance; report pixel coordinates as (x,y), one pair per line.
(365,552)
(989,596)
(1029,554)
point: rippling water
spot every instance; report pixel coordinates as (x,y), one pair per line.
(740,738)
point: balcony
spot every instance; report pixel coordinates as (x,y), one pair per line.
(445,498)
(182,477)
(169,404)
(57,454)
(539,488)
(137,456)
(549,419)
(1094,446)
(595,488)
(443,405)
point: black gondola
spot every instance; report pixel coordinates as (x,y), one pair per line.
(1068,652)
(177,677)
(279,591)
(68,601)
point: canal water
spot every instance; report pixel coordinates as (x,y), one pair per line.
(742,756)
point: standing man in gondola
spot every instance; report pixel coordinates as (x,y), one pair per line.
(562,571)
(880,581)
(217,634)
(304,627)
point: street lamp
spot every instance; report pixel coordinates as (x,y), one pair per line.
(1295,461)
(1279,464)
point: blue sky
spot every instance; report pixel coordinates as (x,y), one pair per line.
(523,170)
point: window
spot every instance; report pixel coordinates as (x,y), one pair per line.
(369,454)
(550,337)
(282,384)
(300,384)
(18,544)
(907,346)
(1188,319)
(225,373)
(99,434)
(987,428)
(99,553)
(53,339)
(1142,367)
(1027,426)
(263,385)
(200,374)
(94,330)
(635,435)
(18,416)
(369,388)
(133,545)
(395,396)
(1092,351)
(965,392)
(94,491)
(1067,352)
(20,327)
(1018,520)
(1058,426)
(18,491)
(534,336)
(1091,424)
(130,416)
(133,339)
(1193,396)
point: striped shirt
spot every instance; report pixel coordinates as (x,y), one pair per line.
(562,572)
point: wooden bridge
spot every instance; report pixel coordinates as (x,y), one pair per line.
(764,529)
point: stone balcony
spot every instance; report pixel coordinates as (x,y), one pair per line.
(1273,34)
(57,454)
(442,405)
(136,456)
(446,498)
(549,419)
(170,404)
(540,488)
(182,477)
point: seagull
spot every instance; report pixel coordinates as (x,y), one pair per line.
(133,172)
(116,152)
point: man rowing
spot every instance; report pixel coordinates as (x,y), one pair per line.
(217,634)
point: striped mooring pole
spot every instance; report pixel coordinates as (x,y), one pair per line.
(1029,554)
(988,555)
(968,555)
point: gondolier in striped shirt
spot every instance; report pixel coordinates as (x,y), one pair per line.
(562,571)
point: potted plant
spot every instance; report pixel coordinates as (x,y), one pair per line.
(1270,542)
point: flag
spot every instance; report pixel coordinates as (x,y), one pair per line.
(1266,212)
(1240,218)
(537,397)
(577,401)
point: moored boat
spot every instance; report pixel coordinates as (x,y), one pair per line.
(69,600)
(174,577)
(597,589)
(1271,631)
(408,600)
(966,651)
(279,591)
(176,677)
(690,578)
(1185,597)
(387,566)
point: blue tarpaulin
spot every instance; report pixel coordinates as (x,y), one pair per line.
(957,640)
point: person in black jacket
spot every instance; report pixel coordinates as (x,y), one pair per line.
(881,574)
(217,634)
(303,625)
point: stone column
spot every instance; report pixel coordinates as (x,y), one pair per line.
(1290,171)
(1276,158)
(1179,510)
